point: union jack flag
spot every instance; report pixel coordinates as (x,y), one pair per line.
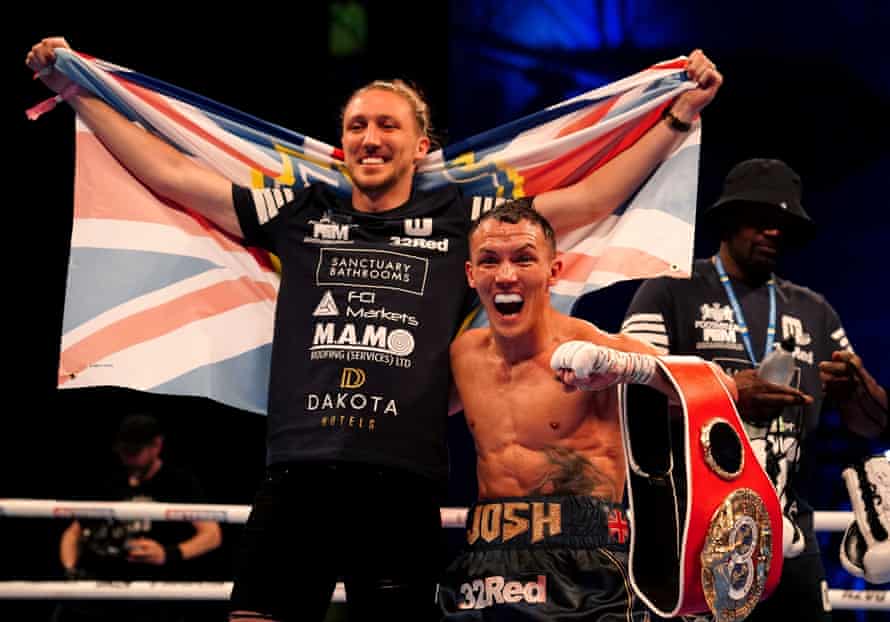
(619,530)
(160,300)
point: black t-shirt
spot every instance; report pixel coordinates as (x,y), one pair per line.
(367,308)
(694,316)
(102,547)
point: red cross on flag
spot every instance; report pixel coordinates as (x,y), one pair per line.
(618,528)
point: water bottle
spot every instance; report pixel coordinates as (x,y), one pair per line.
(778,366)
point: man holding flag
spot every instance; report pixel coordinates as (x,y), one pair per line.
(372,293)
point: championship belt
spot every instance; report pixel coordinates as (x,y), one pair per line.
(706,524)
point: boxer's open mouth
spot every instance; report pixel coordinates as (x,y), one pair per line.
(508,304)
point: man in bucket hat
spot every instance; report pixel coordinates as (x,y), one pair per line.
(762,187)
(734,311)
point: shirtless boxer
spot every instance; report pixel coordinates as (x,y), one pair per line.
(547,539)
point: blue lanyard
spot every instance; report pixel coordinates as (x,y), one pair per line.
(737,310)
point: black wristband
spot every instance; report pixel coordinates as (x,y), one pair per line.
(674,122)
(172,555)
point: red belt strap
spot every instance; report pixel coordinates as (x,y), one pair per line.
(706,522)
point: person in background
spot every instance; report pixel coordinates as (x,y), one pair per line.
(138,549)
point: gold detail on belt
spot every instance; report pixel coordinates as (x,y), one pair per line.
(727,458)
(736,556)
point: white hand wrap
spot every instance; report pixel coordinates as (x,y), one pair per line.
(868,545)
(587,359)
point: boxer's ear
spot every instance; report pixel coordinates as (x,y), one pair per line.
(468,268)
(556,267)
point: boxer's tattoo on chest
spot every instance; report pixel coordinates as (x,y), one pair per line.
(572,474)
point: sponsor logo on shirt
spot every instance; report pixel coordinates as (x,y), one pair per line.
(399,341)
(362,298)
(718,328)
(356,422)
(326,307)
(346,408)
(375,313)
(793,327)
(430,245)
(719,331)
(362,307)
(372,269)
(327,231)
(716,312)
(497,590)
(421,227)
(352,378)
(373,404)
(484,204)
(349,341)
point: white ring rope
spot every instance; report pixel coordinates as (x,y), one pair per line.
(126,590)
(115,590)
(832,521)
(124,510)
(168,590)
(208,591)
(133,510)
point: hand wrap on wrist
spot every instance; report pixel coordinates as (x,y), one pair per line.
(587,359)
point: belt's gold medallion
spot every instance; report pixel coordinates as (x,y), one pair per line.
(736,556)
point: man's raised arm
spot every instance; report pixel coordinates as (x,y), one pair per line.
(166,171)
(600,193)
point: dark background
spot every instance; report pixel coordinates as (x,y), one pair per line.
(805,82)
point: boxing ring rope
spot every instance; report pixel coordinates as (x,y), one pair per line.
(235,514)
